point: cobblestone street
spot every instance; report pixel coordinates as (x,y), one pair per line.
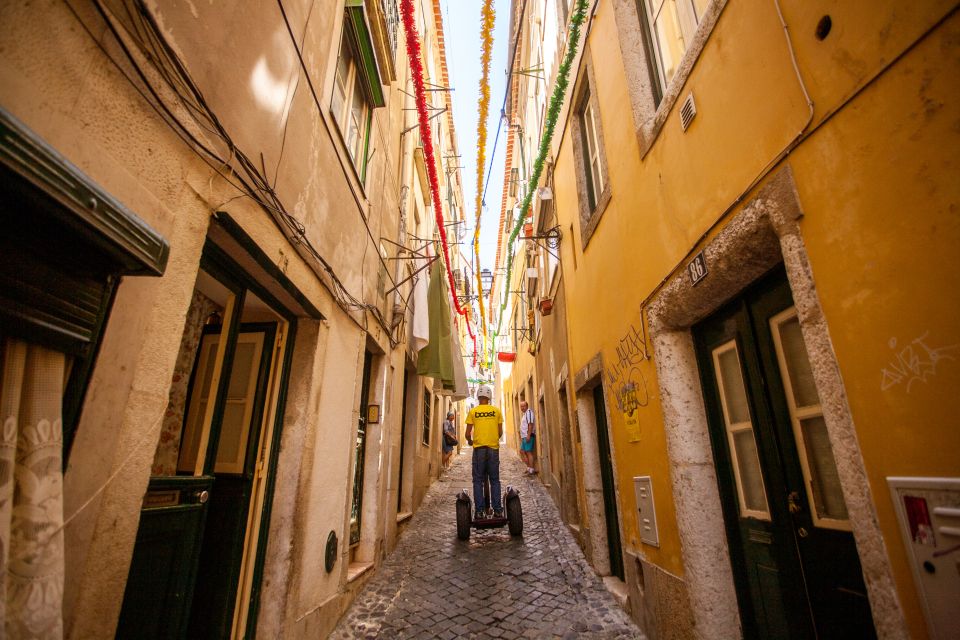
(492,586)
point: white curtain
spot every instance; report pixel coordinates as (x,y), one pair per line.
(31,490)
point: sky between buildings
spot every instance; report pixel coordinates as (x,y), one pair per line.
(461,25)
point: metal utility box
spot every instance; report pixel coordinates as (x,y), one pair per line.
(929,513)
(643,487)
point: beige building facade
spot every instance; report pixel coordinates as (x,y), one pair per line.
(242,418)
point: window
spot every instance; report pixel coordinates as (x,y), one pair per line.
(740,432)
(551,261)
(351,107)
(426,417)
(817,461)
(591,148)
(593,184)
(669,26)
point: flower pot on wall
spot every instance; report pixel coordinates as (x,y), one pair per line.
(528,229)
(546,306)
(506,356)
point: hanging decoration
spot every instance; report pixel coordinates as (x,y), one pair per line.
(486,43)
(549,125)
(416,70)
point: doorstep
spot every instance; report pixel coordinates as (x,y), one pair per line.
(618,589)
(357,569)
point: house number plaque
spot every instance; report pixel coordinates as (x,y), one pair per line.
(697,268)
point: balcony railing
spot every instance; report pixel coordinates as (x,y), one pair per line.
(392,17)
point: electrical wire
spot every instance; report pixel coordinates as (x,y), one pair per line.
(243,174)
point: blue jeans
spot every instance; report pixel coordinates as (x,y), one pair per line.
(486,462)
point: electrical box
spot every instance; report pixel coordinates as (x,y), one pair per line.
(929,513)
(643,487)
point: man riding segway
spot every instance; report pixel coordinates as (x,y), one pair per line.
(484,430)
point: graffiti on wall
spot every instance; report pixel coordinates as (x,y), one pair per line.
(625,380)
(914,362)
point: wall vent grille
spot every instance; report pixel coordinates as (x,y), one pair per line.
(687,112)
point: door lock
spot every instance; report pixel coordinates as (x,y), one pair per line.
(793,503)
(802,532)
(202,496)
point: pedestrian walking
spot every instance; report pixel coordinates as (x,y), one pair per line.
(449,438)
(528,437)
(484,430)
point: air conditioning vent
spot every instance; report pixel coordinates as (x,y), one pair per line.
(687,112)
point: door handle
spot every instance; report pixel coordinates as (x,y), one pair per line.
(201,497)
(793,502)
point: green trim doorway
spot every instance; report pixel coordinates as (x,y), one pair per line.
(614,547)
(210,515)
(796,568)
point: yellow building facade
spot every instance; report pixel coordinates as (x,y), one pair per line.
(757,203)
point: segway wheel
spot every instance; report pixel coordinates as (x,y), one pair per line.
(463,519)
(514,515)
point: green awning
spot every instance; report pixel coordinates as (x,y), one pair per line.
(436,359)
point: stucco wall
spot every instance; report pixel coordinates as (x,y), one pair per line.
(873,176)
(56,79)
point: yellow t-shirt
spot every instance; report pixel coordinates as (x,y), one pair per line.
(485,419)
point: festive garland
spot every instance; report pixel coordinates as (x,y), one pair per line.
(416,70)
(486,42)
(550,123)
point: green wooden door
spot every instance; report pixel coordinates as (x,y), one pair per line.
(609,486)
(795,564)
(186,565)
(360,451)
(234,473)
(160,583)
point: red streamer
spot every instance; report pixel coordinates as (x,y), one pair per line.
(416,69)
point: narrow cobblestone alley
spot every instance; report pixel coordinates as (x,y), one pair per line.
(492,586)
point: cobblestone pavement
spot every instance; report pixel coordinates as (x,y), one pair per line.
(492,586)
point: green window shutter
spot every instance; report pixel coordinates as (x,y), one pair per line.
(360,30)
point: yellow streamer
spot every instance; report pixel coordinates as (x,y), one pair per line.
(486,41)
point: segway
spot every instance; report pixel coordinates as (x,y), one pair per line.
(466,521)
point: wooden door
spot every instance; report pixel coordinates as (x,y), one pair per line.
(795,564)
(234,473)
(609,486)
(186,565)
(360,452)
(159,588)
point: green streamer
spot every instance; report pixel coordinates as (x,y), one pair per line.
(553,114)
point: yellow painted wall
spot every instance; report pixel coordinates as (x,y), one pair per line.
(883,244)
(877,184)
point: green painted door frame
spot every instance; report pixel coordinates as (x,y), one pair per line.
(360,451)
(614,546)
(793,579)
(154,610)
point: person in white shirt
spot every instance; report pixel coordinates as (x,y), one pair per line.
(528,437)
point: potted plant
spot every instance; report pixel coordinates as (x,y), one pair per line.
(528,229)
(546,306)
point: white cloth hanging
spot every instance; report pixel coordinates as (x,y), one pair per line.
(31,490)
(420,327)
